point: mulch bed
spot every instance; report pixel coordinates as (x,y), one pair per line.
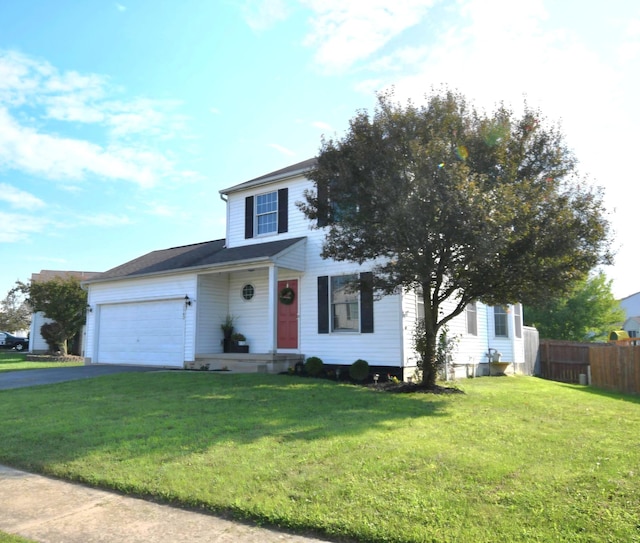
(53,358)
(409,388)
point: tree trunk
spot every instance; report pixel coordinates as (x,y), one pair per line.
(429,362)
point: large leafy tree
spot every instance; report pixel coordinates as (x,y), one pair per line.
(588,313)
(62,300)
(458,204)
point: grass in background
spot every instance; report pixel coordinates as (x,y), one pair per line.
(514,459)
(13,361)
(8,538)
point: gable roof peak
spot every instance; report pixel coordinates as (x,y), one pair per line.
(278,175)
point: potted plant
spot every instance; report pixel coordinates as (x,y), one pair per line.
(227,326)
(238,338)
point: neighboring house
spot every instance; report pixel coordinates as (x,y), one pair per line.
(37,344)
(165,308)
(632,326)
(631,306)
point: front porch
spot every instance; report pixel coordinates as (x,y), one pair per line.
(245,363)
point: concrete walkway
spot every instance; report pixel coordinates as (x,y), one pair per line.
(51,511)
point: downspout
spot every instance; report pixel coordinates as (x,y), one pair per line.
(489,349)
(401,326)
(226,201)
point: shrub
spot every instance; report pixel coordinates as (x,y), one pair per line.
(53,334)
(359,370)
(313,366)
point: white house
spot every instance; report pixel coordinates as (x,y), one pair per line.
(165,308)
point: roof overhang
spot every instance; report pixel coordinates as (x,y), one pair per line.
(290,172)
(290,256)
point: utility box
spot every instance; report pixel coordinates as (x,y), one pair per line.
(617,335)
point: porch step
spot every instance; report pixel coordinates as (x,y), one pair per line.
(245,363)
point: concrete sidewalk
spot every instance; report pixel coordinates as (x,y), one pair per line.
(51,511)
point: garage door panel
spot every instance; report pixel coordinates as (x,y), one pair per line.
(150,333)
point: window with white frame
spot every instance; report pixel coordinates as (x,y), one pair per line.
(420,305)
(500,321)
(345,307)
(266,213)
(517,319)
(472,319)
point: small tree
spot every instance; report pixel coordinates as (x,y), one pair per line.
(62,300)
(457,204)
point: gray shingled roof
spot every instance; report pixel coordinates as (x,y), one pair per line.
(199,255)
(294,169)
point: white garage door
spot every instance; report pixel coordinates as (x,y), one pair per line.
(150,333)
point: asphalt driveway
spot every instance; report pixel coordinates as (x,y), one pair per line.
(27,378)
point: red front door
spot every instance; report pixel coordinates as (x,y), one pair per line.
(288,314)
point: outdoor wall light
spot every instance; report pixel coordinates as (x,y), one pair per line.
(89,308)
(187,300)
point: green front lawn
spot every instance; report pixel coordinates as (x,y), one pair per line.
(12,361)
(8,538)
(513,459)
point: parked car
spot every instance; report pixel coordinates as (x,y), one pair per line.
(9,341)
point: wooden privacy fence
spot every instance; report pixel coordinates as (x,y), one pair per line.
(616,367)
(611,366)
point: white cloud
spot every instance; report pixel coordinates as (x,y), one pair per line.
(347,32)
(400,59)
(262,14)
(18,198)
(33,92)
(281,149)
(18,227)
(120,7)
(72,108)
(103,219)
(162,210)
(322,125)
(55,157)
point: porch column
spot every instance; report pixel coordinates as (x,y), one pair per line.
(272,310)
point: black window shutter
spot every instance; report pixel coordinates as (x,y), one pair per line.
(323,205)
(323,304)
(283,211)
(366,303)
(248,217)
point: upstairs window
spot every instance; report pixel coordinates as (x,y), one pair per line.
(266,213)
(329,209)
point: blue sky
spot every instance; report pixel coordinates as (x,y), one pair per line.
(121,121)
